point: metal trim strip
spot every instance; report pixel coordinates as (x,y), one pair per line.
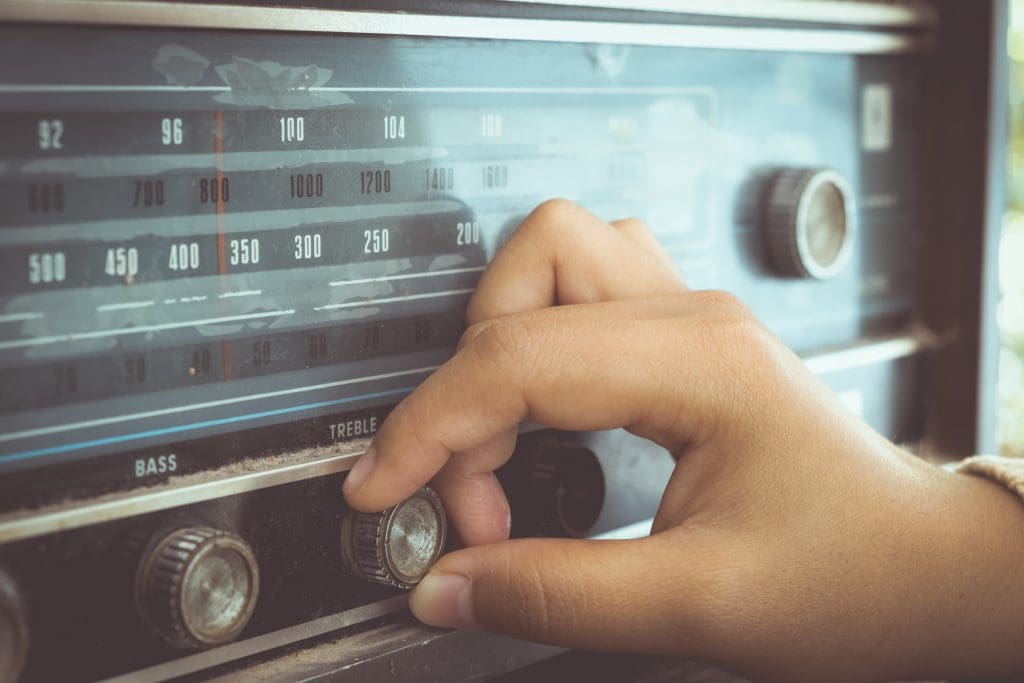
(258,644)
(21,525)
(627,533)
(852,12)
(181,15)
(869,353)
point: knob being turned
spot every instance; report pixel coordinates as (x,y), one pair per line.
(396,547)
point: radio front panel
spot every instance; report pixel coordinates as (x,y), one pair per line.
(228,232)
(225,255)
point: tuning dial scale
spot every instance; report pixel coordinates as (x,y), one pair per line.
(197,587)
(810,222)
(396,547)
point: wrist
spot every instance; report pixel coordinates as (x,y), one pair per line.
(969,537)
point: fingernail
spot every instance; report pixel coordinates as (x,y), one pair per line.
(358,475)
(444,600)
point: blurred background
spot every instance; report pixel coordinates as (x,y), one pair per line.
(1011,256)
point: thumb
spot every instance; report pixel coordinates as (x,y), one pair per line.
(635,595)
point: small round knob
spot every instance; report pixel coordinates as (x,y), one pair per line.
(810,222)
(197,587)
(396,547)
(13,629)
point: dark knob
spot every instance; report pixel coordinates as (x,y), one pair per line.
(396,547)
(13,629)
(555,489)
(567,483)
(810,222)
(197,587)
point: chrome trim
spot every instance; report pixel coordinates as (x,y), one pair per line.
(181,15)
(851,228)
(629,532)
(851,12)
(21,525)
(868,353)
(252,646)
(64,88)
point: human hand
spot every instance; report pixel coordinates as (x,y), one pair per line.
(792,542)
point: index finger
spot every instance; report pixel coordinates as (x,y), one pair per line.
(563,254)
(587,375)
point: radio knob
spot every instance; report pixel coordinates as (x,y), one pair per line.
(396,547)
(563,494)
(197,587)
(13,629)
(810,222)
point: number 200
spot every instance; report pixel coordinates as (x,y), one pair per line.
(468,233)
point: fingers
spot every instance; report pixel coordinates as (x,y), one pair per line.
(646,595)
(637,230)
(575,368)
(475,501)
(562,254)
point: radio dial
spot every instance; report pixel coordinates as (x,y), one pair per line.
(197,587)
(13,629)
(396,547)
(810,222)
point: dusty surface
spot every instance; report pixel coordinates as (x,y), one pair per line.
(244,467)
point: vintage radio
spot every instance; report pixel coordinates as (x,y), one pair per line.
(232,237)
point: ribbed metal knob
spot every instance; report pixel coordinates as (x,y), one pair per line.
(396,547)
(810,222)
(13,629)
(197,587)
